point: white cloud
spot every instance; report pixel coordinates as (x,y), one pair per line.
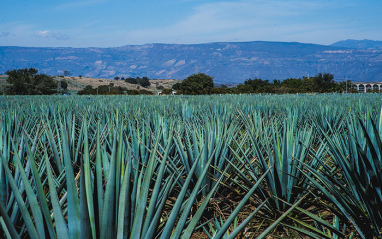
(52,35)
(248,20)
(214,20)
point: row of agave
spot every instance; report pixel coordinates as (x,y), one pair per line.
(245,166)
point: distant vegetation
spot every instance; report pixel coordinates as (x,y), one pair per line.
(111,90)
(200,84)
(144,81)
(28,82)
(102,90)
(197,84)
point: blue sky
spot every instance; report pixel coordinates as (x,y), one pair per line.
(111,23)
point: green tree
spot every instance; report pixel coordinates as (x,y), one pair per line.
(131,80)
(197,84)
(144,82)
(324,82)
(292,83)
(88,90)
(244,88)
(28,82)
(177,86)
(307,84)
(167,92)
(257,85)
(342,86)
(64,85)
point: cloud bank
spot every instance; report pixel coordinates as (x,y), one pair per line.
(51,35)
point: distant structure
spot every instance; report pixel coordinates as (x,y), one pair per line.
(367,86)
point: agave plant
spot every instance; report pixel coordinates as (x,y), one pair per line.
(173,167)
(353,183)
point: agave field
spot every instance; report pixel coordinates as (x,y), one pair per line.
(232,166)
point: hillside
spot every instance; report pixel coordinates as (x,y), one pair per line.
(76,83)
(358,44)
(227,62)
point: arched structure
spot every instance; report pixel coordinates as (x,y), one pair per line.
(367,86)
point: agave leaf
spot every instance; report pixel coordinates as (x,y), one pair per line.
(23,209)
(86,230)
(10,228)
(306,232)
(285,214)
(35,208)
(239,228)
(143,193)
(61,228)
(167,231)
(182,220)
(100,192)
(337,199)
(153,225)
(107,224)
(195,219)
(124,203)
(242,203)
(88,181)
(41,194)
(53,146)
(156,190)
(72,194)
(238,208)
(319,220)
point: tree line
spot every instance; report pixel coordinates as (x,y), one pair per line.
(199,84)
(144,81)
(28,82)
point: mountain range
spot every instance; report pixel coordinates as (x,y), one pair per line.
(227,62)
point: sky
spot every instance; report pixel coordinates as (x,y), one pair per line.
(113,23)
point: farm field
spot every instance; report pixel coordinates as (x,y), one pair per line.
(230,166)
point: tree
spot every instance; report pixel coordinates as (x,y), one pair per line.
(28,82)
(177,86)
(324,82)
(307,84)
(197,84)
(66,73)
(116,78)
(257,85)
(292,83)
(88,90)
(167,92)
(64,85)
(131,80)
(244,88)
(343,85)
(144,82)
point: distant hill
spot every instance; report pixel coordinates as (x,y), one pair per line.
(227,62)
(76,83)
(358,44)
